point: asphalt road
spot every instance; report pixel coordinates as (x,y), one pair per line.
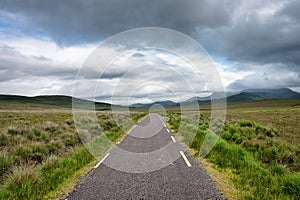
(147,164)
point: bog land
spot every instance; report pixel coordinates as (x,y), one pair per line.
(256,156)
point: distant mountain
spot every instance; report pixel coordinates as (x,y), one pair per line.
(240,97)
(198,99)
(148,105)
(215,95)
(245,96)
(53,100)
(251,95)
(282,93)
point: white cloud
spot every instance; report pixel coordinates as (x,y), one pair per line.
(31,66)
(39,66)
(71,57)
(33,86)
(277,79)
(254,37)
(228,75)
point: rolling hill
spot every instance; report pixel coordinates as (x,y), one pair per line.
(244,96)
(53,100)
(282,93)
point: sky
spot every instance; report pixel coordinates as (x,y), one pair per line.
(43,44)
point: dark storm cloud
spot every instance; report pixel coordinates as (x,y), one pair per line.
(291,9)
(137,55)
(6,75)
(261,37)
(258,37)
(77,21)
(112,75)
(231,29)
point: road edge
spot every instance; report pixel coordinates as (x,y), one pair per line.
(70,184)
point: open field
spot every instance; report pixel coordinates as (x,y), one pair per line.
(257,155)
(259,148)
(40,149)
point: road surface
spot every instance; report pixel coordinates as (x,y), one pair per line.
(149,163)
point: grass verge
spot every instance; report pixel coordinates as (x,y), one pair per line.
(258,162)
(41,162)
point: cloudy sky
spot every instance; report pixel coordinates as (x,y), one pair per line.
(43,44)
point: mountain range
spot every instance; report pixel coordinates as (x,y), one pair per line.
(243,96)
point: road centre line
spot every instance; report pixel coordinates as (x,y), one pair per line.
(101,160)
(173,139)
(187,162)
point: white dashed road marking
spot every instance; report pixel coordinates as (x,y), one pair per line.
(173,139)
(187,162)
(101,160)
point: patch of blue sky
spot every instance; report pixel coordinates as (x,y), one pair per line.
(227,65)
(4,25)
(7,27)
(9,30)
(220,60)
(40,34)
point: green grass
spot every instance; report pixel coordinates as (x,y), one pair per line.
(261,161)
(40,150)
(34,181)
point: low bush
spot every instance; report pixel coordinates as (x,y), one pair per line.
(21,183)
(36,132)
(245,123)
(291,185)
(4,140)
(18,131)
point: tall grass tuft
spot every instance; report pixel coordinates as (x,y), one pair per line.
(261,165)
(35,161)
